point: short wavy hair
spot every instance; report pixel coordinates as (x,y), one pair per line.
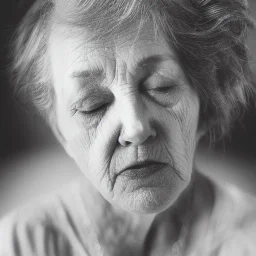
(209,37)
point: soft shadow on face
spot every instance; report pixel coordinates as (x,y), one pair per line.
(128,116)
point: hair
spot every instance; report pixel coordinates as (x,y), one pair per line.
(209,37)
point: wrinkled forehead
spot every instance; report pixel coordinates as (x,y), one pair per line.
(76,46)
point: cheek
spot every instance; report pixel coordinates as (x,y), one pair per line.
(92,143)
(76,135)
(187,117)
(179,133)
(187,114)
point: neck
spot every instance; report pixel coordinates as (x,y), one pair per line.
(155,232)
(185,222)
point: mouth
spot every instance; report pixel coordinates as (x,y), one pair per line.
(142,169)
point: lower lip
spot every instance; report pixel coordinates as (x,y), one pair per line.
(142,172)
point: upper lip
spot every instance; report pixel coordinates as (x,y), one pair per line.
(140,164)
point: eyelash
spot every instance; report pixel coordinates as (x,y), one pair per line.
(163,89)
(96,110)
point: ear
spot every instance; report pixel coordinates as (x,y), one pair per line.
(200,134)
(201,129)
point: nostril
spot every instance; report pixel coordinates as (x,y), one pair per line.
(127,143)
(124,142)
(150,137)
(153,133)
(136,135)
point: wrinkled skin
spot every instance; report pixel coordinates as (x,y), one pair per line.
(113,109)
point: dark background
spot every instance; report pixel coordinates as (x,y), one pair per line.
(25,139)
(19,131)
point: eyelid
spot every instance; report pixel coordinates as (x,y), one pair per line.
(163,88)
(95,109)
(94,99)
(156,81)
(91,105)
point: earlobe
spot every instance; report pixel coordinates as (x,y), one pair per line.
(200,134)
(201,131)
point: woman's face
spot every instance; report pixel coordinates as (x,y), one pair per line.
(128,116)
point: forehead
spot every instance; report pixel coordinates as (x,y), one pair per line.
(69,49)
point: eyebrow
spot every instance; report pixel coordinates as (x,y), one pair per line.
(154,61)
(89,74)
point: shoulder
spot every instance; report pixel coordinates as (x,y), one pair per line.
(233,224)
(50,225)
(29,231)
(235,205)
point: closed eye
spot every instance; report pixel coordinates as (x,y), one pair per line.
(93,102)
(95,109)
(162,89)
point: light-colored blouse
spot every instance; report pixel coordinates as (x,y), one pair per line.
(77,221)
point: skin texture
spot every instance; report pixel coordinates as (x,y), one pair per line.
(114,110)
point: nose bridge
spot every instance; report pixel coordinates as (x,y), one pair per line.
(133,114)
(128,95)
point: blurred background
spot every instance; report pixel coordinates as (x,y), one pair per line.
(32,163)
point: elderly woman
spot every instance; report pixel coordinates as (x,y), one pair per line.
(129,87)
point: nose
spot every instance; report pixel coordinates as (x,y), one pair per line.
(136,126)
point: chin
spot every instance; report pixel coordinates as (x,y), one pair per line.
(148,194)
(148,200)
